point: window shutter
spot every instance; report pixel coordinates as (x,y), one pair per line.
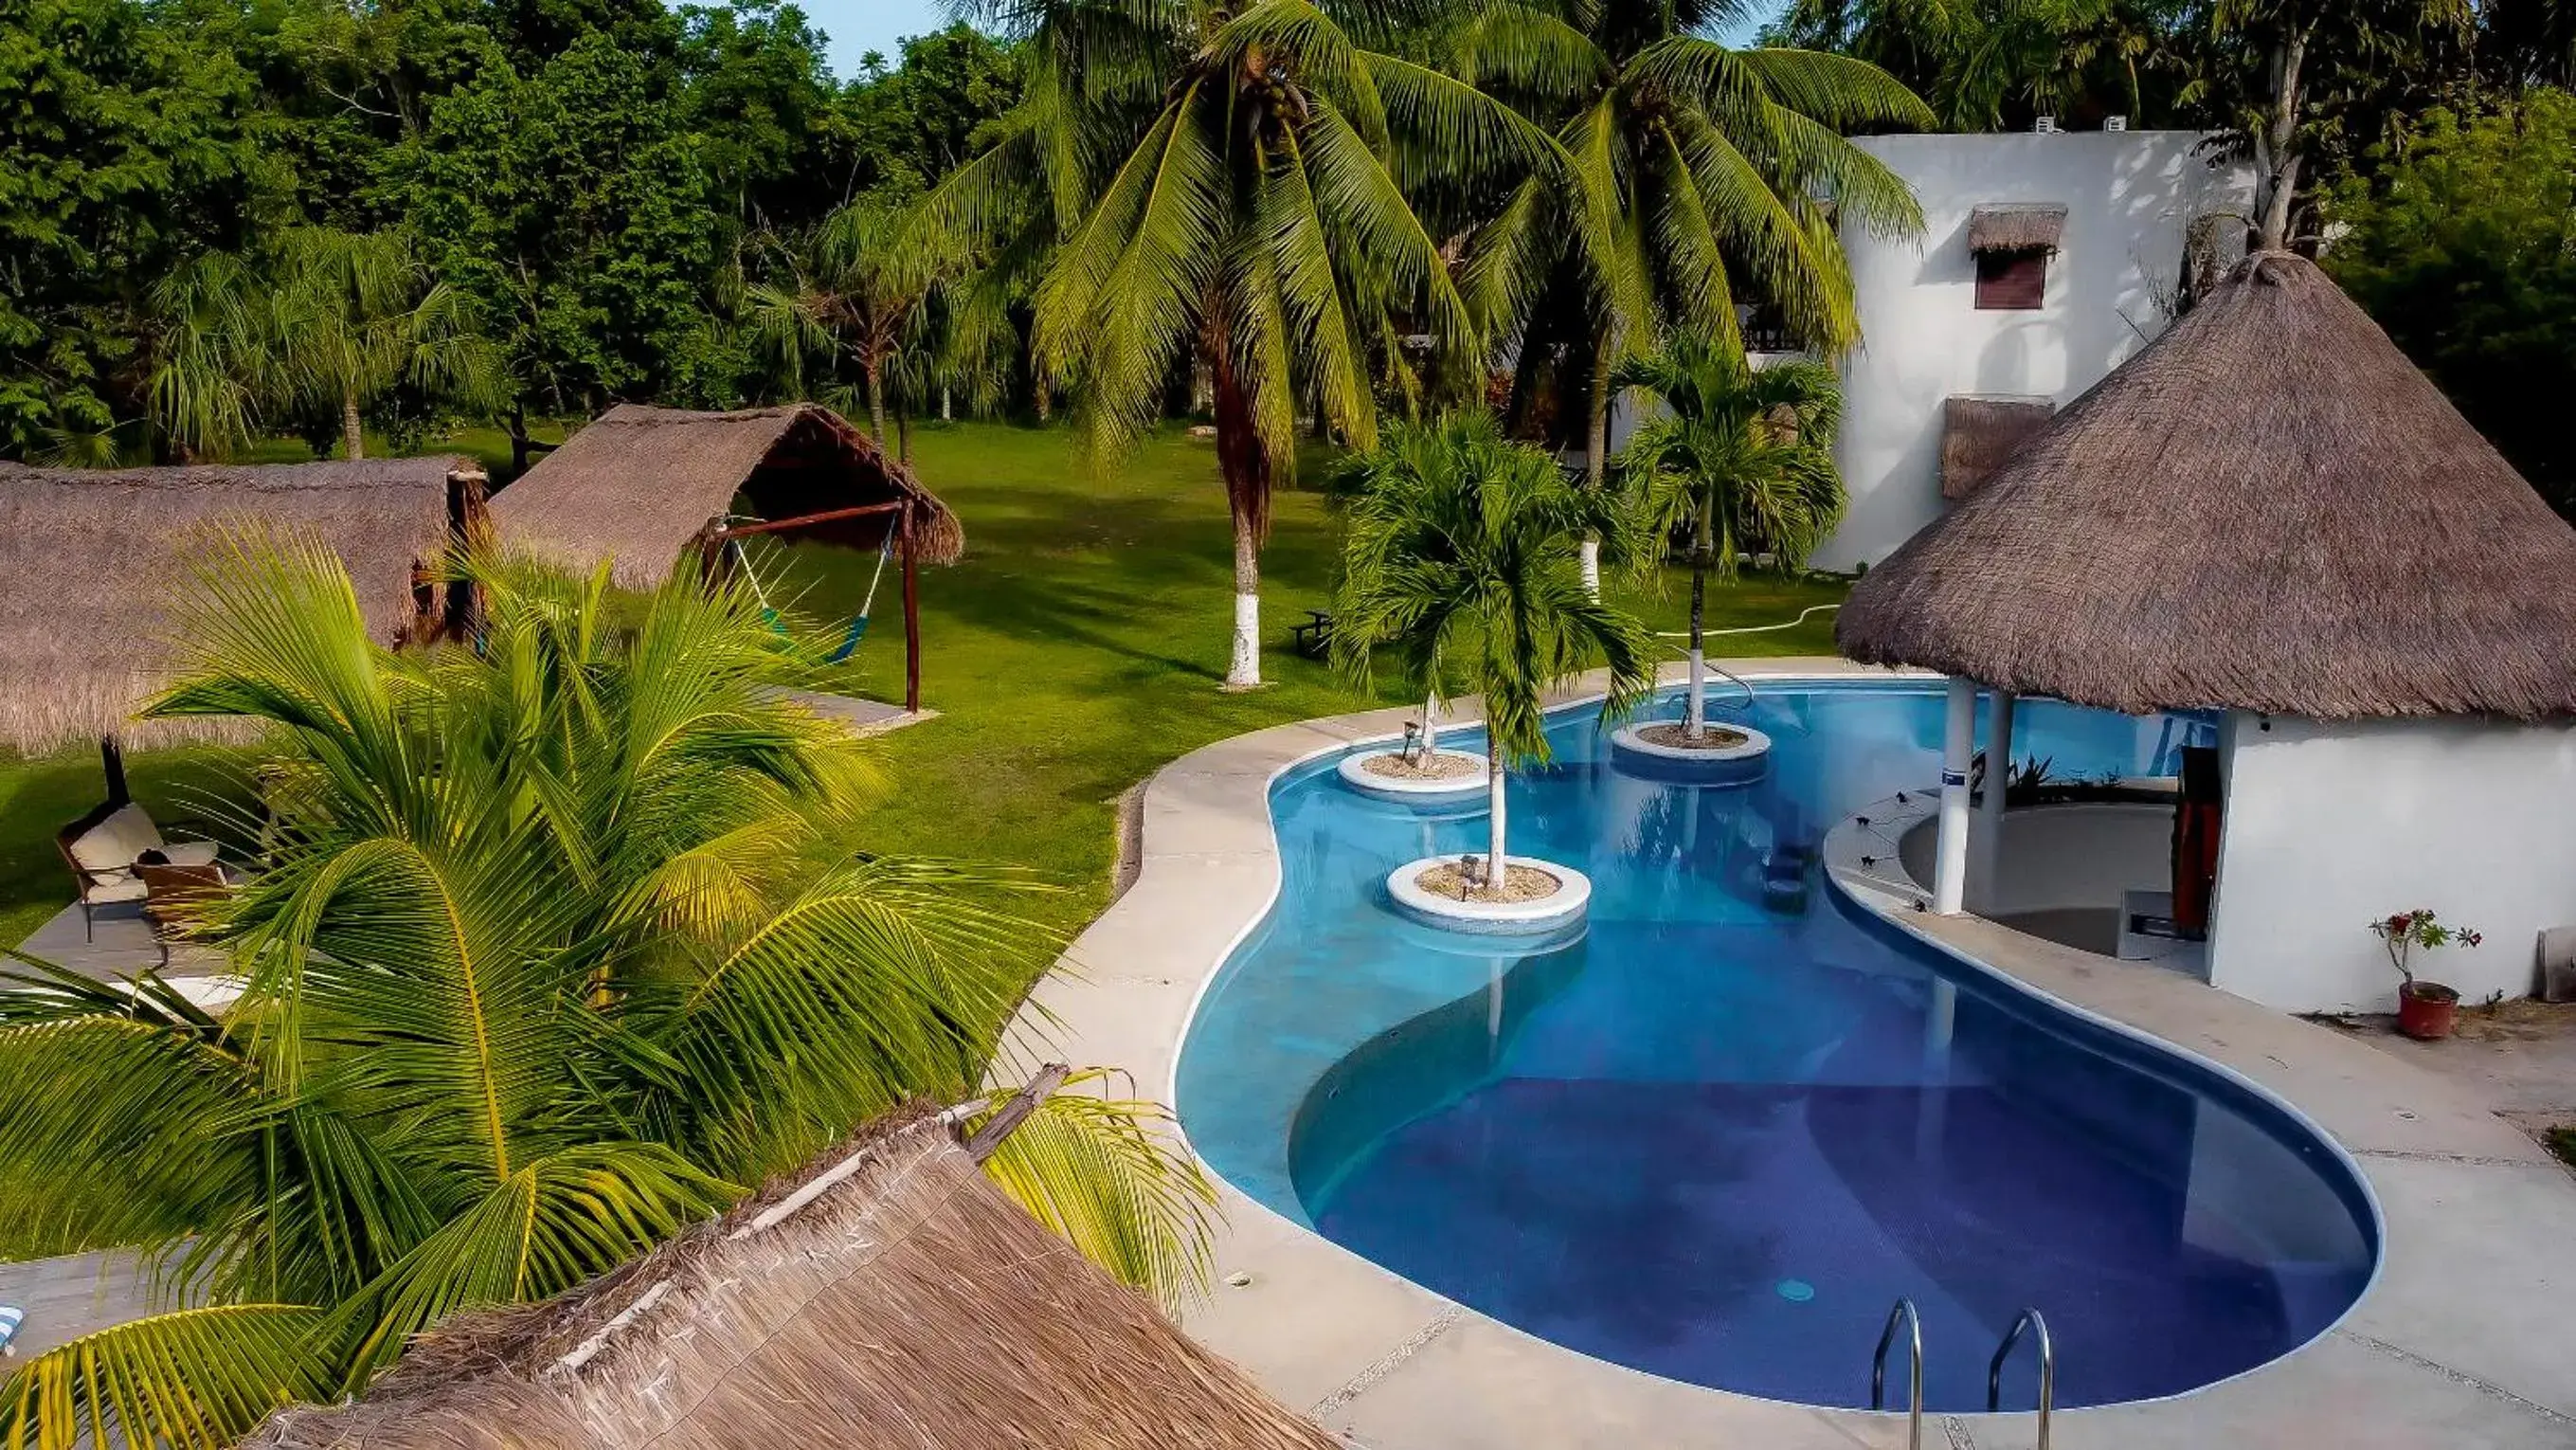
(2011,281)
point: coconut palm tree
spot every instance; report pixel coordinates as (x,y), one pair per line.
(562,943)
(1742,457)
(1231,188)
(1461,562)
(1701,173)
(330,323)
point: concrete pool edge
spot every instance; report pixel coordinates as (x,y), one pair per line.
(2453,1343)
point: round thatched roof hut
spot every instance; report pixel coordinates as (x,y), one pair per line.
(2268,509)
(2272,515)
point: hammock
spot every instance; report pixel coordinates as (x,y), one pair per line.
(859,622)
(858,629)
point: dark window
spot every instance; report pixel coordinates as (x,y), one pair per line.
(2011,281)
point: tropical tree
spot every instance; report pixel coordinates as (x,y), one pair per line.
(1462,563)
(1702,174)
(1229,190)
(1742,457)
(859,289)
(1989,64)
(331,325)
(561,943)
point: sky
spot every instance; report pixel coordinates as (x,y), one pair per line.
(859,26)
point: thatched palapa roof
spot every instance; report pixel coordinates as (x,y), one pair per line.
(91,562)
(2021,226)
(634,487)
(1978,434)
(2268,508)
(902,1305)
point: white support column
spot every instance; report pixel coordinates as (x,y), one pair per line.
(1988,837)
(1958,740)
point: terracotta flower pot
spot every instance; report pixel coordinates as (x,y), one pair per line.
(2425,1010)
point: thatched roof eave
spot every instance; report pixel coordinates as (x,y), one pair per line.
(891,1296)
(635,486)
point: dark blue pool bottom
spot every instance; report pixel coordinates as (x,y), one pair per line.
(1710,1141)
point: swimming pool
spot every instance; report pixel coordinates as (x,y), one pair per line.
(1718,1133)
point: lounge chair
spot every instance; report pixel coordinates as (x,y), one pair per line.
(101,849)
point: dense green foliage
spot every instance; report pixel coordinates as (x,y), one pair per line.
(2465,250)
(595,185)
(560,944)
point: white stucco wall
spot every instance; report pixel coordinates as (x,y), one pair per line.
(2331,825)
(2130,199)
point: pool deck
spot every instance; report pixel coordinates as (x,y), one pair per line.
(2462,1341)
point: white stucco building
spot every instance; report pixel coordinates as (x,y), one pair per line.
(2057,312)
(2273,518)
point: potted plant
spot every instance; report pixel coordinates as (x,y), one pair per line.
(2424,1009)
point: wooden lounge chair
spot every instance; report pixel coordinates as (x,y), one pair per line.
(174,898)
(102,847)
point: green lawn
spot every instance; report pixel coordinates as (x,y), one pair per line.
(1077,648)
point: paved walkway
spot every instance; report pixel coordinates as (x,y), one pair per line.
(2462,1343)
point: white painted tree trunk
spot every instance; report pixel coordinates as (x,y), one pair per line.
(1243,670)
(947,405)
(1698,691)
(1497,852)
(1431,725)
(1590,553)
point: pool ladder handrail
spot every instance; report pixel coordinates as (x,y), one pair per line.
(1904,1313)
(2027,1319)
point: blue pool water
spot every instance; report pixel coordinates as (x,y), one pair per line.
(1720,1133)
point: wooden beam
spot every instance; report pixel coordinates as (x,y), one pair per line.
(804,521)
(911,618)
(988,1138)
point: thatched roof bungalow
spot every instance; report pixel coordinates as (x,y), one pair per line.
(640,486)
(90,562)
(893,1299)
(2271,513)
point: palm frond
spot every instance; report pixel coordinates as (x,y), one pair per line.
(192,1377)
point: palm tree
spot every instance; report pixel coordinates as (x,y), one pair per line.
(1229,186)
(859,288)
(1701,172)
(1461,561)
(562,943)
(1739,455)
(330,323)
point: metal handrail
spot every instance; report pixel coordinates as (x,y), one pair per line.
(1903,1313)
(2028,1319)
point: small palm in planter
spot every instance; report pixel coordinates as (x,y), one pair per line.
(1461,564)
(2424,1009)
(1741,457)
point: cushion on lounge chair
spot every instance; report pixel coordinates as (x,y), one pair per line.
(188,853)
(108,849)
(114,887)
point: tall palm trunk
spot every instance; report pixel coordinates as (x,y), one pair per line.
(1497,850)
(874,369)
(1247,493)
(1596,452)
(353,437)
(1700,550)
(1430,725)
